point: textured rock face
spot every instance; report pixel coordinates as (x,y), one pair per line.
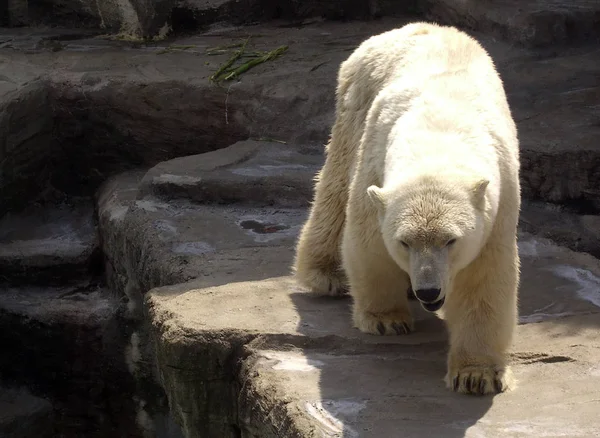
(240,351)
(49,246)
(530,22)
(65,344)
(23,415)
(116,107)
(27,140)
(153,18)
(269,360)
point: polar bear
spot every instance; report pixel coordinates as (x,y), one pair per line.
(420,189)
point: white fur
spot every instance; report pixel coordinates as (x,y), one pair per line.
(421,186)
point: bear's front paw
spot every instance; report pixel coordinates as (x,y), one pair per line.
(396,322)
(480,379)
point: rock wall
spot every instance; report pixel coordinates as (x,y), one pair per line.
(532,23)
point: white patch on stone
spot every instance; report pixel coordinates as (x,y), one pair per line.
(118,213)
(589,284)
(132,291)
(169,178)
(266,169)
(61,246)
(193,248)
(130,22)
(133,354)
(327,411)
(143,419)
(165,226)
(595,371)
(292,362)
(151,205)
(539,317)
(536,427)
(528,248)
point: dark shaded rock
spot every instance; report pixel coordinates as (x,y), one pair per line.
(559,124)
(26,141)
(154,18)
(49,246)
(579,233)
(532,23)
(118,106)
(22,415)
(69,344)
(126,125)
(258,173)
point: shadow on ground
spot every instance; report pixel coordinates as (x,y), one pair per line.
(372,386)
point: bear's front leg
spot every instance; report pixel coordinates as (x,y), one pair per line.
(378,286)
(481,314)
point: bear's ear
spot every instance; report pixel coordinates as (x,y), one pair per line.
(478,190)
(377,198)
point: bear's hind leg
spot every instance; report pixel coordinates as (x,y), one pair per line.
(317,263)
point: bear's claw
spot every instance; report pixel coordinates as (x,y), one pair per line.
(401,329)
(481,380)
(390,323)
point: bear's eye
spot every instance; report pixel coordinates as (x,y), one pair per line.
(451,242)
(404,244)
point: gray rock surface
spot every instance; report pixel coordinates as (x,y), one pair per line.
(26,142)
(49,246)
(532,23)
(72,345)
(117,105)
(240,350)
(260,173)
(268,359)
(153,19)
(300,369)
(579,233)
(23,415)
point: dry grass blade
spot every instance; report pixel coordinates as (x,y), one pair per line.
(223,69)
(254,62)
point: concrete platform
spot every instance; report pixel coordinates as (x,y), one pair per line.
(302,369)
(242,350)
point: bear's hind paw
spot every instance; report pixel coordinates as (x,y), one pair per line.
(323,283)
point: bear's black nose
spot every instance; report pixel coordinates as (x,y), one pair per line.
(428,295)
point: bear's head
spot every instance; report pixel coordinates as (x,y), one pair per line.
(433,226)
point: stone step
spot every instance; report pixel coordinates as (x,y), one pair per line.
(534,23)
(149,242)
(52,246)
(69,345)
(285,363)
(258,173)
(23,415)
(172,109)
(577,232)
(233,321)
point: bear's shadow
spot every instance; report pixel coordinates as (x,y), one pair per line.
(383,386)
